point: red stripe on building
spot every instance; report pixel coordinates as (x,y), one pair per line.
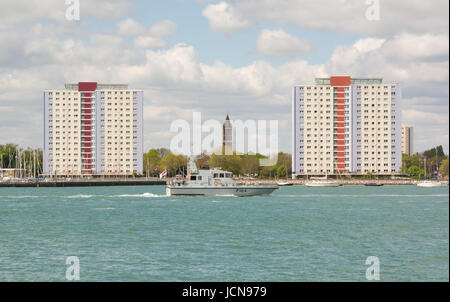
(86,115)
(339,100)
(340,81)
(87,86)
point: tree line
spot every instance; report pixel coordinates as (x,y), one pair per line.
(430,163)
(158,160)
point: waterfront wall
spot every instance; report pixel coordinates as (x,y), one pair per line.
(343,182)
(159,182)
(86,183)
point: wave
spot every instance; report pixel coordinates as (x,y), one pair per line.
(78,196)
(24,196)
(147,195)
(83,196)
(364,195)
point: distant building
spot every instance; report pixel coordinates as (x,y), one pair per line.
(227,143)
(407,140)
(93,129)
(343,125)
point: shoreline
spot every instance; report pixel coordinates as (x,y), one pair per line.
(83,183)
(159,182)
(346,182)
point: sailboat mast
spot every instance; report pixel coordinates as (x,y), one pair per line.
(425,166)
(34,163)
(436,158)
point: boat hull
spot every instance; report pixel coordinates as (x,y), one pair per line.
(220,191)
(283,184)
(428,185)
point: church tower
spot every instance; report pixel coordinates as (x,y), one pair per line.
(227,143)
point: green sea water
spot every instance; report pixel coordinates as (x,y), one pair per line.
(295,234)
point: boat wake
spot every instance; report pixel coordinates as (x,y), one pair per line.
(146,195)
(78,196)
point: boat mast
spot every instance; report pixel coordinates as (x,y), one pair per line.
(435,149)
(425,166)
(34,163)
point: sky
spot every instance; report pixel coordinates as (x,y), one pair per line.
(218,57)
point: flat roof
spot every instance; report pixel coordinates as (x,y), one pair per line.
(327,81)
(70,86)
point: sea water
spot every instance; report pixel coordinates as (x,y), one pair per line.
(295,234)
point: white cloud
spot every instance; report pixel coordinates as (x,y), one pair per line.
(278,43)
(415,67)
(163,29)
(22,11)
(223,18)
(166,114)
(176,81)
(368,44)
(147,37)
(417,46)
(331,15)
(149,42)
(105,9)
(427,134)
(129,27)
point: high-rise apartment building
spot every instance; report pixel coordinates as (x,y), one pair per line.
(93,129)
(407,140)
(343,125)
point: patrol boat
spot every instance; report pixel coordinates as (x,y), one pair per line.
(213,182)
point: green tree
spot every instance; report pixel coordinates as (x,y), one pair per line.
(231,163)
(281,171)
(415,171)
(249,164)
(285,160)
(443,170)
(269,172)
(202,161)
(409,161)
(152,162)
(174,164)
(434,152)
